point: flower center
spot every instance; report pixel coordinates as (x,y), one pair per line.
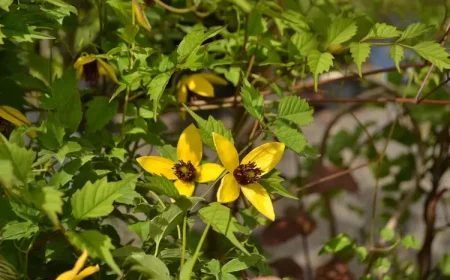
(91,72)
(247,173)
(185,171)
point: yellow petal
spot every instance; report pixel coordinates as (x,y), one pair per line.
(209,172)
(86,272)
(68,275)
(258,196)
(79,72)
(140,15)
(185,188)
(158,165)
(189,147)
(213,78)
(227,152)
(84,59)
(106,70)
(266,156)
(228,189)
(200,85)
(14,116)
(182,97)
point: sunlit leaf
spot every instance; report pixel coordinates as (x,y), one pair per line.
(318,63)
(360,52)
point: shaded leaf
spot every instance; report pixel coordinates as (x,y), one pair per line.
(156,89)
(148,265)
(100,112)
(162,185)
(253,101)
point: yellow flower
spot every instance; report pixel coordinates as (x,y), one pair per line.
(16,117)
(187,170)
(75,274)
(85,64)
(140,15)
(246,174)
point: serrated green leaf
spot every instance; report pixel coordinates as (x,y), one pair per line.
(156,89)
(207,127)
(100,112)
(272,183)
(410,241)
(360,52)
(162,185)
(387,234)
(318,63)
(434,53)
(290,136)
(4,4)
(49,199)
(414,30)
(302,43)
(253,101)
(96,199)
(17,162)
(336,244)
(148,265)
(67,100)
(382,31)
(397,52)
(17,230)
(223,222)
(296,110)
(341,30)
(168,151)
(142,229)
(193,40)
(97,245)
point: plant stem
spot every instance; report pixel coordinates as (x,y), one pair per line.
(183,244)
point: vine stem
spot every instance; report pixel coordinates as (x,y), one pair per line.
(177,10)
(183,245)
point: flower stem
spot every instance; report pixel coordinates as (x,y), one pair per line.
(183,246)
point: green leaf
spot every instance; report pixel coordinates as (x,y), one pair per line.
(7,212)
(59,11)
(4,4)
(301,44)
(100,112)
(296,110)
(223,222)
(156,89)
(336,244)
(360,52)
(95,199)
(168,151)
(361,253)
(67,100)
(163,224)
(213,267)
(387,234)
(434,53)
(162,185)
(397,52)
(241,263)
(382,31)
(142,229)
(444,264)
(17,162)
(121,88)
(318,63)
(49,199)
(289,135)
(341,30)
(410,241)
(256,24)
(382,265)
(207,127)
(414,30)
(148,265)
(272,183)
(97,245)
(17,230)
(193,40)
(253,101)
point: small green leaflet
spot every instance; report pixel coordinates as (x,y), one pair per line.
(17,230)
(289,135)
(382,31)
(100,112)
(207,127)
(223,222)
(414,30)
(318,63)
(142,229)
(434,53)
(272,183)
(20,162)
(4,4)
(302,43)
(256,24)
(162,185)
(240,263)
(341,30)
(148,265)
(360,52)
(49,199)
(444,264)
(156,89)
(168,151)
(97,245)
(96,199)
(397,52)
(410,241)
(253,101)
(387,234)
(336,244)
(193,40)
(296,110)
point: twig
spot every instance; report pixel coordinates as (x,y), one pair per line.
(177,10)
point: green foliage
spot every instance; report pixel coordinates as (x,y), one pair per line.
(318,63)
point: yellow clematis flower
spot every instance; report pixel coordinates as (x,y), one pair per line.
(244,176)
(15,117)
(187,170)
(75,274)
(140,15)
(91,66)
